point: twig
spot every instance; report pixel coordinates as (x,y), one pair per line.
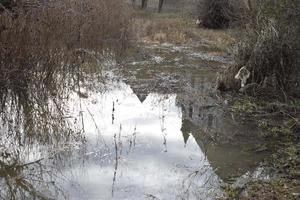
(30,163)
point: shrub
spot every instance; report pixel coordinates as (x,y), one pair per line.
(218,14)
(270,48)
(215,13)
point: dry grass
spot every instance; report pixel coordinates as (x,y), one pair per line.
(41,57)
(39,40)
(166,27)
(178,29)
(220,40)
(226,78)
(269,48)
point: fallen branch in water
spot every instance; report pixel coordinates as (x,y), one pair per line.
(30,163)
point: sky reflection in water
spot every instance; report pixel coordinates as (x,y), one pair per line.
(135,150)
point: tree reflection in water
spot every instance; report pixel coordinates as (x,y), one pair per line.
(133,146)
(28,181)
(34,130)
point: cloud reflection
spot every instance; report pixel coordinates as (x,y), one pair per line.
(158,164)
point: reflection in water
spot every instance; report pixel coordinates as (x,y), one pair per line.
(157,135)
(226,143)
(28,126)
(147,156)
(141,154)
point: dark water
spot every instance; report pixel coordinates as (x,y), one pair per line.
(153,129)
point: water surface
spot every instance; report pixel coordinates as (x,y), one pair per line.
(155,128)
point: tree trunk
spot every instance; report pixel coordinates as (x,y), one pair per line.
(144,4)
(133,3)
(160,4)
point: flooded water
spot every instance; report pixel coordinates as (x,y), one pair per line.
(142,151)
(154,129)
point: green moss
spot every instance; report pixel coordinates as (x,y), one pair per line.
(231,193)
(271,128)
(243,106)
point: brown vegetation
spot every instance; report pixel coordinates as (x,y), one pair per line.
(218,14)
(40,39)
(43,47)
(164,27)
(226,78)
(270,49)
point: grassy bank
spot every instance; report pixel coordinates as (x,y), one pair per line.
(178,28)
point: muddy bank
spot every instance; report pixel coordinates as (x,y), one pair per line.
(277,122)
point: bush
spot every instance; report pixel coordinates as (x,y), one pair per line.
(218,14)
(270,48)
(7,4)
(215,13)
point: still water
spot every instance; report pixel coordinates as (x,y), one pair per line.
(142,150)
(154,129)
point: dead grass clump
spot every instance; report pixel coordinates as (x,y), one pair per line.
(270,48)
(39,39)
(225,79)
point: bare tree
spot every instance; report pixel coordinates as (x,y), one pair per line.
(145,4)
(160,4)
